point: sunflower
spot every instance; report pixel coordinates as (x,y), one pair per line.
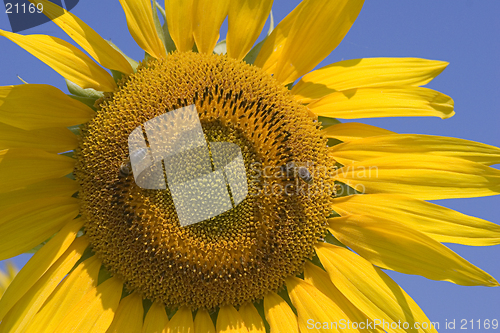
(320,208)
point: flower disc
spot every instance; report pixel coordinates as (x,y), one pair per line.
(240,254)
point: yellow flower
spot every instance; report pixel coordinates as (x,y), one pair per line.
(302,237)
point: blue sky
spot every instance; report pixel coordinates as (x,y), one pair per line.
(462,32)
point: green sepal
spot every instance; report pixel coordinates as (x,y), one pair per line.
(86,255)
(254,52)
(315,260)
(195,48)
(75,89)
(68,153)
(22,80)
(271,23)
(169,42)
(162,30)
(325,121)
(39,246)
(345,190)
(284,294)
(220,48)
(170,312)
(330,239)
(146,304)
(75,129)
(104,275)
(89,101)
(117,76)
(156,20)
(333,142)
(131,61)
(259,305)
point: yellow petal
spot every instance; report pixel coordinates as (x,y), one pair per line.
(246,19)
(320,280)
(181,322)
(392,245)
(311,304)
(179,14)
(206,26)
(425,177)
(279,315)
(54,140)
(26,308)
(369,289)
(41,261)
(273,46)
(35,106)
(367,72)
(128,316)
(86,37)
(328,22)
(229,320)
(7,278)
(141,25)
(66,296)
(59,187)
(65,59)
(384,102)
(21,167)
(203,323)
(95,312)
(440,223)
(156,320)
(347,132)
(384,145)
(26,225)
(252,319)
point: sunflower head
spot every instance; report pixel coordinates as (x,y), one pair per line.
(210,185)
(266,237)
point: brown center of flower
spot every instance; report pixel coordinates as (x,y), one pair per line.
(241,253)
